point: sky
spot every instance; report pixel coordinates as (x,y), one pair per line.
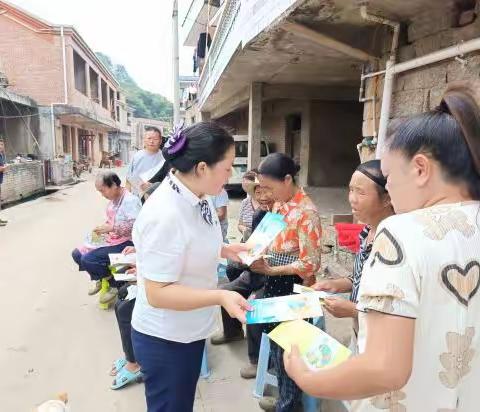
(137,35)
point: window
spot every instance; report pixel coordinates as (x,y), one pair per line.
(104,94)
(79,73)
(94,86)
(241,149)
(65,139)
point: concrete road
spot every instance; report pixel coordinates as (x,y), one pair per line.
(54,338)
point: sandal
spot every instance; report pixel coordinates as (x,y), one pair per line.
(117,366)
(124,377)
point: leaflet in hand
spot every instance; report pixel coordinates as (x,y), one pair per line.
(319,293)
(125,277)
(93,240)
(318,349)
(268,229)
(121,259)
(284,308)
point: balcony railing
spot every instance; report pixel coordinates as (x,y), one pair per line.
(213,61)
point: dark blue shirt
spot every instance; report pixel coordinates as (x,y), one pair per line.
(2,163)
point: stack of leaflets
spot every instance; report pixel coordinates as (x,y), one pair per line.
(321,295)
(318,349)
(119,264)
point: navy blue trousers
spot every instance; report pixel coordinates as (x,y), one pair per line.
(96,262)
(171,371)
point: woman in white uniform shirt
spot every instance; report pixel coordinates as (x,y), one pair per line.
(178,240)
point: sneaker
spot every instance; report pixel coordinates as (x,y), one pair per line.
(249,371)
(220,338)
(95,287)
(268,403)
(3,223)
(108,296)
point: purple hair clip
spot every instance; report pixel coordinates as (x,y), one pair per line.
(176,141)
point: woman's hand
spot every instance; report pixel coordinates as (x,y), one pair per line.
(231,251)
(340,308)
(294,364)
(261,266)
(326,286)
(235,305)
(128,250)
(103,229)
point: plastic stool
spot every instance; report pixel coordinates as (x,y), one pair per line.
(204,370)
(310,404)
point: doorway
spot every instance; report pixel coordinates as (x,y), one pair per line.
(293,136)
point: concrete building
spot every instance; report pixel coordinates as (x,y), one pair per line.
(290,71)
(79,100)
(188,99)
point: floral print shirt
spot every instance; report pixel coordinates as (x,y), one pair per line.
(425,265)
(303,234)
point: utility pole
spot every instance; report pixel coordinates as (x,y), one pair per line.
(176,60)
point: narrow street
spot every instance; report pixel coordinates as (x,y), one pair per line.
(54,336)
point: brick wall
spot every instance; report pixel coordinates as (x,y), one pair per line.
(32,62)
(22,180)
(61,171)
(421,89)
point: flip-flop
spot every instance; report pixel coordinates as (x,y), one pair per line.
(117,366)
(124,377)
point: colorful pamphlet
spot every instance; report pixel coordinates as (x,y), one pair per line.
(320,294)
(284,308)
(121,259)
(268,229)
(318,349)
(94,240)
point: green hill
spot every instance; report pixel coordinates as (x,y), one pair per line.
(145,104)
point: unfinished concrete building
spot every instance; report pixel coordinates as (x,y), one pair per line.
(309,75)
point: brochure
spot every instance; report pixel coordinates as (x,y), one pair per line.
(268,229)
(94,240)
(320,294)
(318,349)
(121,259)
(284,308)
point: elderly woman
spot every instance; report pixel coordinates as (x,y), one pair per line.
(294,255)
(419,306)
(370,204)
(115,234)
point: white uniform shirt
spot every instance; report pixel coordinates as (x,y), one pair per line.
(175,244)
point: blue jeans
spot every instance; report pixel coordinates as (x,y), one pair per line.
(96,262)
(171,371)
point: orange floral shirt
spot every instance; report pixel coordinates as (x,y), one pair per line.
(303,234)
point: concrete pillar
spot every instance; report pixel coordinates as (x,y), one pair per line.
(99,90)
(205,116)
(305,136)
(87,79)
(254,124)
(74,142)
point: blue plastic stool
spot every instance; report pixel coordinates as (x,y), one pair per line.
(204,370)
(310,404)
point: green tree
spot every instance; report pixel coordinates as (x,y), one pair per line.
(145,104)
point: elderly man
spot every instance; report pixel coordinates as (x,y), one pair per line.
(145,163)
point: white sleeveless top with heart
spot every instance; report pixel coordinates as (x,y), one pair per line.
(425,265)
